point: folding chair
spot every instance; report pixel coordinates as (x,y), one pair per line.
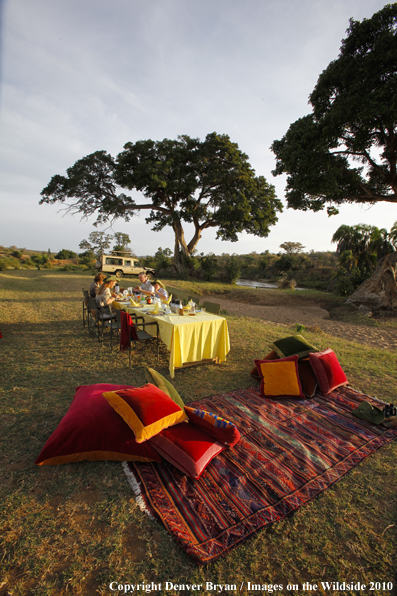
(136,332)
(212,307)
(108,320)
(98,316)
(85,306)
(93,316)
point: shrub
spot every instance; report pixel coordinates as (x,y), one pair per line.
(149,262)
(87,258)
(284,263)
(162,258)
(65,254)
(232,269)
(9,262)
(209,266)
(345,282)
(39,260)
(28,263)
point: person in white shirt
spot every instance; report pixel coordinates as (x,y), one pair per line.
(145,287)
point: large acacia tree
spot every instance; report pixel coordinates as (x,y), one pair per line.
(209,184)
(346,149)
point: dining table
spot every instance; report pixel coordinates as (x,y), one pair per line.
(191,338)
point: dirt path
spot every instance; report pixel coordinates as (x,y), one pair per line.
(312,316)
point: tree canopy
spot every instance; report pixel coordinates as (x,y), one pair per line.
(346,149)
(97,242)
(292,248)
(122,242)
(365,244)
(209,184)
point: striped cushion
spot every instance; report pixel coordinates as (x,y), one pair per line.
(219,428)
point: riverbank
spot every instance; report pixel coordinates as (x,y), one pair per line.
(288,312)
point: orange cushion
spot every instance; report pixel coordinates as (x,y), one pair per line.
(147,410)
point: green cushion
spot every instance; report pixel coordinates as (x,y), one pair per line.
(369,413)
(152,376)
(294,345)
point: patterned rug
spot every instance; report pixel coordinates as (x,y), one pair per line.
(290,451)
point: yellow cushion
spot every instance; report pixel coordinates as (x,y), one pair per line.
(280,378)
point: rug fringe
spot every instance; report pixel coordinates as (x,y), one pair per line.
(136,489)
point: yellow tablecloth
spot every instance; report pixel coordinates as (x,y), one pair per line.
(188,338)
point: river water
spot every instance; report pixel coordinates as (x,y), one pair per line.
(249,283)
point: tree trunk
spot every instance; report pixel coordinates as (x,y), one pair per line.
(378,293)
(196,236)
(181,249)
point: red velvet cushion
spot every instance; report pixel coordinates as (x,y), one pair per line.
(91,430)
(307,377)
(219,428)
(328,371)
(270,356)
(146,410)
(188,448)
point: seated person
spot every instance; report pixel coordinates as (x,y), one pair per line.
(145,287)
(159,290)
(104,295)
(98,281)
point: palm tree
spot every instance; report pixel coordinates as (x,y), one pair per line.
(393,235)
(359,248)
(356,239)
(363,245)
(345,237)
(381,242)
(347,260)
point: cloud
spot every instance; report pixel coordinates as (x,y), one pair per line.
(84,75)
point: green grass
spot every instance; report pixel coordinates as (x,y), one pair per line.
(72,529)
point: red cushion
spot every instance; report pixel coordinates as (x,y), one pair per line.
(270,356)
(188,448)
(219,428)
(307,377)
(328,371)
(146,410)
(91,430)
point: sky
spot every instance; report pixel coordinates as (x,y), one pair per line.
(78,76)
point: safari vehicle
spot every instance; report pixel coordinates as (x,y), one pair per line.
(122,263)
